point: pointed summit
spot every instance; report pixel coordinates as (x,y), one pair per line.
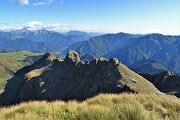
(72,56)
(49,56)
(45,59)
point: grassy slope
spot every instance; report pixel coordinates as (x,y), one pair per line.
(20,56)
(8,66)
(102,107)
(11,62)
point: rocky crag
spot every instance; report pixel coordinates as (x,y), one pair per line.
(51,78)
(166,82)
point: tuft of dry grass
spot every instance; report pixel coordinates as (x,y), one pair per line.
(102,107)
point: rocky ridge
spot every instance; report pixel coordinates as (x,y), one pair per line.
(166,82)
(51,78)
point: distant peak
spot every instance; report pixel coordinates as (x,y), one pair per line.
(25,29)
(122,33)
(155,35)
(72,56)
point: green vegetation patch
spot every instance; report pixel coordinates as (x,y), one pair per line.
(20,56)
(11,62)
(8,67)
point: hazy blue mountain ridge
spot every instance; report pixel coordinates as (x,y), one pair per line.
(39,41)
(130,48)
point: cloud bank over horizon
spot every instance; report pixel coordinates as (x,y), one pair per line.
(58,27)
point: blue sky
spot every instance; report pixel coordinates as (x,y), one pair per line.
(133,16)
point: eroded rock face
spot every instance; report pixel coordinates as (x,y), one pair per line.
(72,56)
(51,78)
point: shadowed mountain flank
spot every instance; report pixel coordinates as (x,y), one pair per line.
(166,82)
(51,78)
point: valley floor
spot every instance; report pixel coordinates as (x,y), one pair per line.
(102,107)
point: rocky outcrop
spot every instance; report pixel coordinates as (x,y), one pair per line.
(166,82)
(52,78)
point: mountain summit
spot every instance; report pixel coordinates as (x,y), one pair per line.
(52,78)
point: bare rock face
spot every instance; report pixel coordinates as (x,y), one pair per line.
(51,78)
(72,56)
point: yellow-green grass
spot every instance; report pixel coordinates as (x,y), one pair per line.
(8,67)
(11,62)
(20,56)
(102,107)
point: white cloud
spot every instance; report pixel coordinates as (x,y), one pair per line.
(33,24)
(38,25)
(23,2)
(43,3)
(58,27)
(39,4)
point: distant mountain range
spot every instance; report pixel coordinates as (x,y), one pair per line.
(41,40)
(149,66)
(85,35)
(130,48)
(101,45)
(5,50)
(87,57)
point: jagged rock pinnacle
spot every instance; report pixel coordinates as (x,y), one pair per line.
(49,56)
(45,59)
(72,56)
(114,61)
